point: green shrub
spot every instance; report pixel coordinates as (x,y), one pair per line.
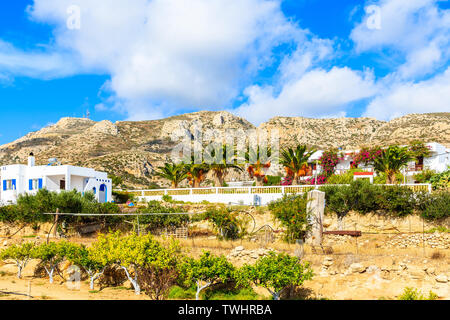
(226,222)
(441,181)
(424,176)
(291,212)
(437,207)
(381,178)
(155,222)
(123,197)
(397,201)
(414,294)
(339,200)
(273,181)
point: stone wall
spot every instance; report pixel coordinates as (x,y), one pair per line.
(382,224)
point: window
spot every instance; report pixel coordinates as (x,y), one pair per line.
(9,185)
(35,184)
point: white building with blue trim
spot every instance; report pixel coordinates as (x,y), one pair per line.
(20,179)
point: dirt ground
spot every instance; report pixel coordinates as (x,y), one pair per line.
(387,271)
(386,281)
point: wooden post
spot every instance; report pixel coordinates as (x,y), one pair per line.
(56,224)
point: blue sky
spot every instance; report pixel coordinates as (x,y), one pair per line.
(149,59)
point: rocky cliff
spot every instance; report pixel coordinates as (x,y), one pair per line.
(132,150)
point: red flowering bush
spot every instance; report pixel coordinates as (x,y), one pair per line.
(328,161)
(366,156)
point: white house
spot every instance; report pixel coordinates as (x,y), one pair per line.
(439,161)
(19,179)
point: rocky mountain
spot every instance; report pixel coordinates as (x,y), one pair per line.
(132,150)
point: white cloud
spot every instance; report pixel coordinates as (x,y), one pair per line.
(318,93)
(431,95)
(171,54)
(34,64)
(417,30)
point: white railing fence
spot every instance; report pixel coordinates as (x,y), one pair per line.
(243,194)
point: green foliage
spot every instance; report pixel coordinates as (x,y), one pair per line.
(344,178)
(419,149)
(52,254)
(180,293)
(339,199)
(155,222)
(275,272)
(382,177)
(424,176)
(206,271)
(437,206)
(414,294)
(441,181)
(30,208)
(122,197)
(21,254)
(397,201)
(391,161)
(295,161)
(226,222)
(291,212)
(167,198)
(174,173)
(273,181)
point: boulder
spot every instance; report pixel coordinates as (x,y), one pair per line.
(357,268)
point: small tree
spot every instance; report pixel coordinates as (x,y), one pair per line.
(206,271)
(339,199)
(159,270)
(292,212)
(21,254)
(275,272)
(93,260)
(51,255)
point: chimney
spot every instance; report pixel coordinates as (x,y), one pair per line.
(31,160)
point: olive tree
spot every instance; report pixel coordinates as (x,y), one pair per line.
(206,271)
(21,254)
(275,272)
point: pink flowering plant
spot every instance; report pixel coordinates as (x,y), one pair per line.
(328,161)
(366,156)
(322,179)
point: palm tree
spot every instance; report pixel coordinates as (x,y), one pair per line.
(195,172)
(175,173)
(391,161)
(295,161)
(220,165)
(257,164)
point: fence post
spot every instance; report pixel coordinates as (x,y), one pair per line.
(429,188)
(283,190)
(316,208)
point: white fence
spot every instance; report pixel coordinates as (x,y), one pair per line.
(238,195)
